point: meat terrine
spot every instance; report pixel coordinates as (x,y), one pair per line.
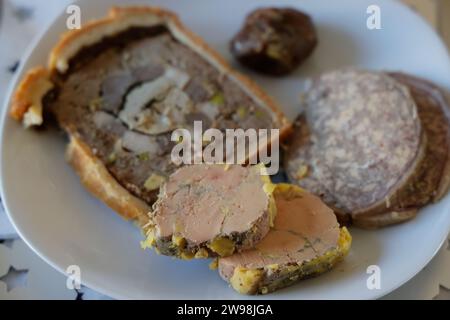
(373,146)
(120,85)
(306,241)
(211,210)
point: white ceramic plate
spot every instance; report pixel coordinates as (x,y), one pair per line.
(65,225)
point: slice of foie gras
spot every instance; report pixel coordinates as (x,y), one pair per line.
(306,240)
(211,210)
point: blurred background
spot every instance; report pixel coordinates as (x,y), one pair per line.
(436,12)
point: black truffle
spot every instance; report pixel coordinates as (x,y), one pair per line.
(274,41)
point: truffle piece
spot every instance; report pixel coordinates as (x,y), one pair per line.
(274,41)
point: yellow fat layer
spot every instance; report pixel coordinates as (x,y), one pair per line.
(269,189)
(247,281)
(178,241)
(286,188)
(222,246)
(201,254)
(214,264)
(149,241)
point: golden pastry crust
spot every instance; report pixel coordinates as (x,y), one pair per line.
(117,20)
(29,94)
(96,178)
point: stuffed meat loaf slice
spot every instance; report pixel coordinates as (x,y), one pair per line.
(121,85)
(211,210)
(305,241)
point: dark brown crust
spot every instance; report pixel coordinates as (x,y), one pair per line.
(441,97)
(432,180)
(384,219)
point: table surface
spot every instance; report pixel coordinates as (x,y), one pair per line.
(23,275)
